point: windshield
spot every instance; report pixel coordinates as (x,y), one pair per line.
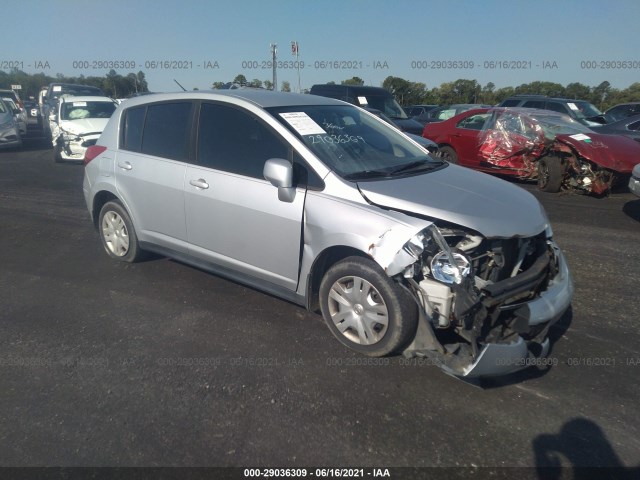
(386,104)
(76,90)
(584,109)
(559,125)
(79,110)
(353,143)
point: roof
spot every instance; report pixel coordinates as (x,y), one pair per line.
(260,97)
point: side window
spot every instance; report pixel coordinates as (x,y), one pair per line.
(132,128)
(166,130)
(235,141)
(634,126)
(510,103)
(556,107)
(534,104)
(474,122)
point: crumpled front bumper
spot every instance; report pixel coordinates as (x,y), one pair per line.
(497,359)
(74,147)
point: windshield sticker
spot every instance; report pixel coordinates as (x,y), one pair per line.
(573,106)
(302,123)
(79,104)
(57,88)
(581,136)
(363,101)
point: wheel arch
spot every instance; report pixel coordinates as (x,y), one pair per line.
(323,262)
(99,200)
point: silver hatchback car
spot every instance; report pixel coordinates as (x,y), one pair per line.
(321,203)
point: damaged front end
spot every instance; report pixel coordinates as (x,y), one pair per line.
(72,146)
(486,305)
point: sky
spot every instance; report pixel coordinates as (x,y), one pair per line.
(200,42)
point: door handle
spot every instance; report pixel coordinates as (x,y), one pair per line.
(125,165)
(201,183)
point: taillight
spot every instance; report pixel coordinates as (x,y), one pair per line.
(92,152)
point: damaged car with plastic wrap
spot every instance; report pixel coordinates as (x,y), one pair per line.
(324,204)
(550,147)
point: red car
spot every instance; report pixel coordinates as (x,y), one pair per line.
(536,144)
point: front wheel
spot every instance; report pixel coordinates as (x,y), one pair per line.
(448,154)
(117,234)
(550,174)
(365,309)
(57,155)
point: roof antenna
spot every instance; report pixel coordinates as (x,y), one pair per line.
(183,89)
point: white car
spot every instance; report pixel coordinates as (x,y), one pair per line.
(77,124)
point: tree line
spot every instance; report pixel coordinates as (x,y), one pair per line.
(113,84)
(406,92)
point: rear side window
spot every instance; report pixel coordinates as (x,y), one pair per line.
(510,103)
(132,128)
(166,130)
(557,107)
(534,104)
(235,141)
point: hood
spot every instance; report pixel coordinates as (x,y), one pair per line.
(615,152)
(490,206)
(84,125)
(408,125)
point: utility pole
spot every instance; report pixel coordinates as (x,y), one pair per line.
(295,51)
(274,51)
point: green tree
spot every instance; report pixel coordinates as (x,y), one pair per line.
(255,83)
(268,84)
(286,87)
(240,79)
(357,81)
(550,89)
(404,91)
(577,91)
(217,85)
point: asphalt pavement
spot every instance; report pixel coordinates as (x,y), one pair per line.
(158,364)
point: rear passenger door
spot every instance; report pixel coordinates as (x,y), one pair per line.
(234,218)
(150,170)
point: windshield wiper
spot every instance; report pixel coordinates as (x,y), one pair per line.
(417,165)
(366,174)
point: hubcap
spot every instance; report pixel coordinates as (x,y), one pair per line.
(358,311)
(114,232)
(543,174)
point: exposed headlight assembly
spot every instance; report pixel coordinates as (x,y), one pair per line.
(447,266)
(446,271)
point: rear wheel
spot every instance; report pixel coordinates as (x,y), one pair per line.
(448,154)
(550,174)
(365,309)
(117,234)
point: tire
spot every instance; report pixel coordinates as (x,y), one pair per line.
(117,234)
(550,174)
(57,156)
(365,309)
(448,154)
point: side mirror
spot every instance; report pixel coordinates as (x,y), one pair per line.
(280,173)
